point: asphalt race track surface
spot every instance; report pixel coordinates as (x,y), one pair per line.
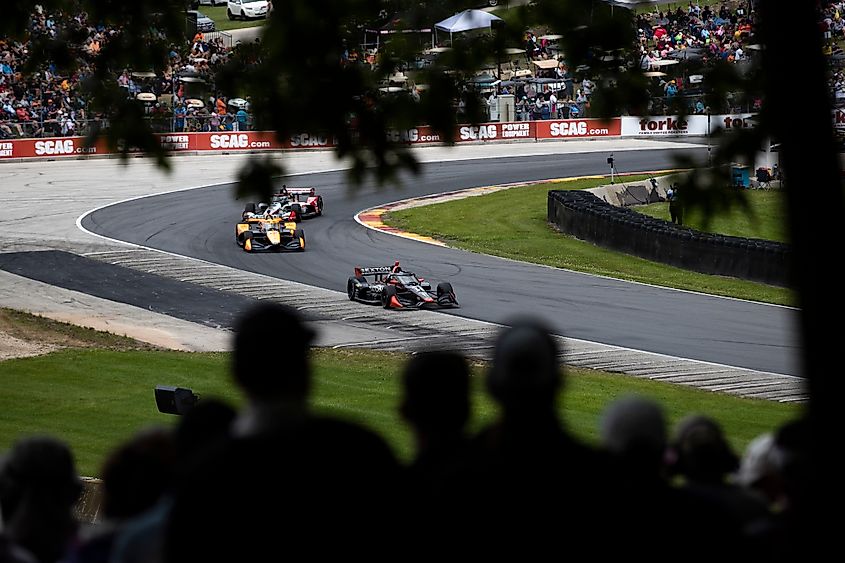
(200,224)
(188,301)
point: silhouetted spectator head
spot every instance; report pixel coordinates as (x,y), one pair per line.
(138,473)
(759,460)
(793,441)
(525,374)
(634,429)
(700,451)
(761,467)
(270,357)
(436,398)
(38,488)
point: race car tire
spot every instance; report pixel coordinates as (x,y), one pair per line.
(354,287)
(243,236)
(249,207)
(319,206)
(444,288)
(296,209)
(387,294)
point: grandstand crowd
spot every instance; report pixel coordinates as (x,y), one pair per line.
(45,102)
(274,479)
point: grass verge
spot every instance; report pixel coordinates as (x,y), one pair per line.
(512,224)
(765,218)
(222,21)
(96,399)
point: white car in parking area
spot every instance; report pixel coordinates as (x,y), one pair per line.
(243,9)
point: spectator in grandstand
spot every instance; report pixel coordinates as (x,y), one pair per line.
(38,488)
(179,113)
(320,482)
(587,87)
(242,119)
(522,108)
(671,88)
(581,101)
(537,108)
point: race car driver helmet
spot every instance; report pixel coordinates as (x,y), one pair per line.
(262,207)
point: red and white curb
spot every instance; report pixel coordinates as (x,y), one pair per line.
(372,218)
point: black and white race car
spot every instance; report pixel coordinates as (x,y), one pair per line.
(394,288)
(293,204)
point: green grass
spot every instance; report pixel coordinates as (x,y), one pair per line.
(766,220)
(512,224)
(222,22)
(96,399)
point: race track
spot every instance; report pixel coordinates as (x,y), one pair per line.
(200,224)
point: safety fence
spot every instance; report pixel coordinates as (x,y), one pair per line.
(225,141)
(587,217)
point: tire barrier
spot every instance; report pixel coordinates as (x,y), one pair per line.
(586,217)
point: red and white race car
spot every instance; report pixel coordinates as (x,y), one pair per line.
(310,203)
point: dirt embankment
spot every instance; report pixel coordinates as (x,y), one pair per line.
(23,335)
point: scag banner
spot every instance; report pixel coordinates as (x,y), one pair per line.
(177,142)
(507,131)
(67,146)
(575,128)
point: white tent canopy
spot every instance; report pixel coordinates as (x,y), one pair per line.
(467,20)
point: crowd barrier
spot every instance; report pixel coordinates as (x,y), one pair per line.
(587,217)
(587,128)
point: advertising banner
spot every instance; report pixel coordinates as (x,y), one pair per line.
(66,146)
(227,141)
(497,131)
(230,140)
(416,135)
(675,126)
(176,142)
(575,128)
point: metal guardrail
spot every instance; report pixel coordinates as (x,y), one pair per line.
(224,36)
(166,124)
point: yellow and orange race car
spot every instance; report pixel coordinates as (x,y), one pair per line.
(257,233)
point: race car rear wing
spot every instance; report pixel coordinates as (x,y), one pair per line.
(304,191)
(359,271)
